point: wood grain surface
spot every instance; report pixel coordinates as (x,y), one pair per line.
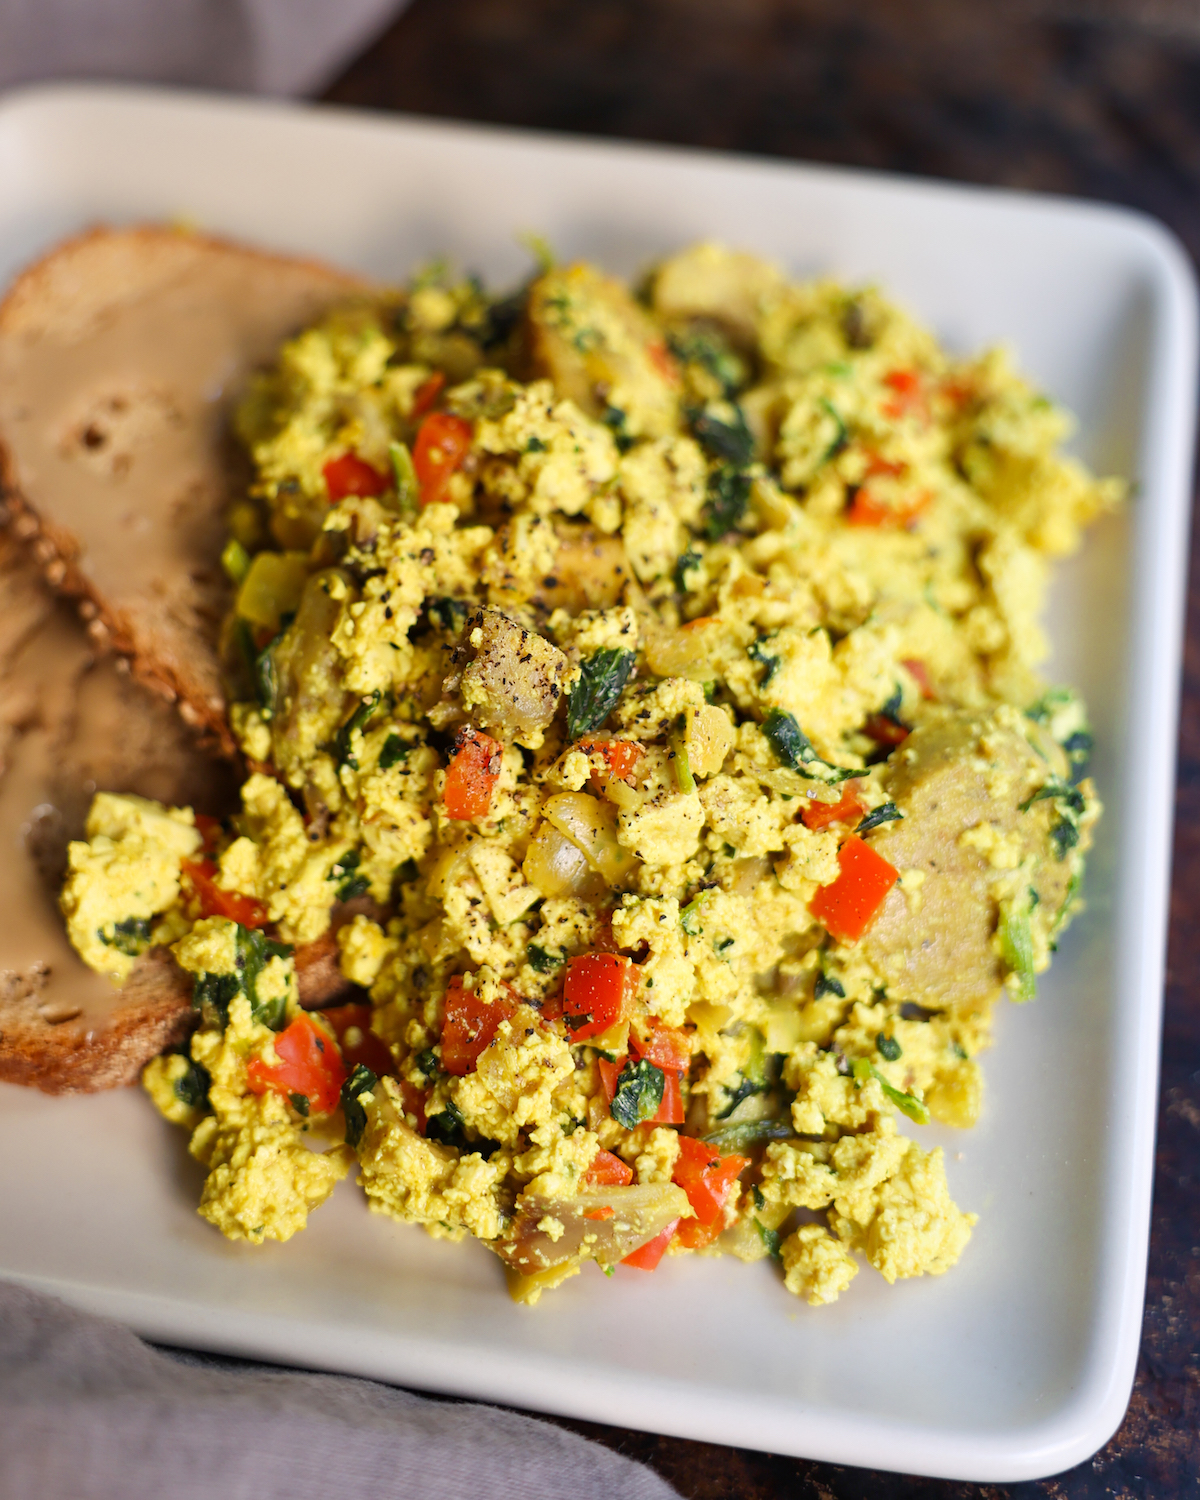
(1099,98)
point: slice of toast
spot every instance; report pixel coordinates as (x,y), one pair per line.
(71,724)
(121,353)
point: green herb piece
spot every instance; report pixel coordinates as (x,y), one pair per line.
(542,960)
(211,996)
(733,442)
(841,439)
(639,1093)
(1016,944)
(772,663)
(394,751)
(300,1104)
(1078,748)
(1065,835)
(708,349)
(678,745)
(594,696)
(614,419)
(1064,911)
(343,745)
(361,1081)
(351,882)
(451,614)
(756,1193)
(191,1088)
(609,1271)
(261,667)
(688,560)
(889,1047)
(759,1076)
(405,872)
(908,1104)
(888,813)
(728,496)
(235,560)
(254,951)
(427,1061)
(1069,804)
(748,1133)
(794,749)
(132,936)
(404,477)
(689,917)
(723,945)
(771,1238)
(827,985)
(960,1051)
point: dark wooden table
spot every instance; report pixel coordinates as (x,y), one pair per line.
(1093,97)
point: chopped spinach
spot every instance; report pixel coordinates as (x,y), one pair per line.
(211,996)
(733,442)
(261,666)
(300,1104)
(639,1093)
(191,1088)
(771,1238)
(614,419)
(428,1063)
(889,1047)
(728,496)
(888,813)
(542,960)
(132,936)
(908,1104)
(1078,748)
(253,953)
(755,650)
(351,882)
(451,614)
(1069,804)
(343,745)
(794,749)
(360,1082)
(394,751)
(688,559)
(827,984)
(594,696)
(708,349)
(759,1076)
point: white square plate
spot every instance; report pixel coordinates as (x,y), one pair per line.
(1018,1363)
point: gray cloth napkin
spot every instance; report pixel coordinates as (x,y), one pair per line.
(90,1412)
(266,46)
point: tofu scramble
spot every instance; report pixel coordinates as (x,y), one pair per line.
(639,697)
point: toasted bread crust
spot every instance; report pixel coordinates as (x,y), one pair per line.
(154,1011)
(80,299)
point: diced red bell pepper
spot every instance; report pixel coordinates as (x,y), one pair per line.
(605,1211)
(820,814)
(620,756)
(470,1025)
(706,1177)
(663,361)
(216,901)
(908,396)
(667,1047)
(351,475)
(851,903)
(472,774)
(647,1256)
(370,1050)
(443,441)
(885,731)
(670,1110)
(607,1170)
(309,1064)
(694,1236)
(427,393)
(920,671)
(593,996)
(866,510)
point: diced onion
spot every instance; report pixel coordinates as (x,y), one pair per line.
(685,652)
(554,866)
(591,825)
